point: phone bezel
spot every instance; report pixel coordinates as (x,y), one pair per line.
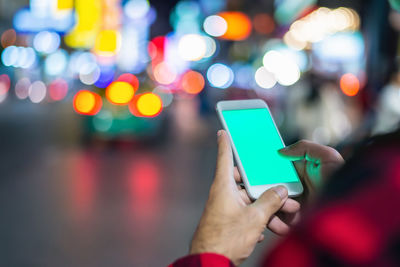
(294,188)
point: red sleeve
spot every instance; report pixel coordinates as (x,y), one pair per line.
(203,260)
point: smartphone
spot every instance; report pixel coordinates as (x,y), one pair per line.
(255,141)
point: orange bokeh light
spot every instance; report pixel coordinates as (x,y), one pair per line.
(239,25)
(120,93)
(193,82)
(87,102)
(8,38)
(263,23)
(131,79)
(349,84)
(146,105)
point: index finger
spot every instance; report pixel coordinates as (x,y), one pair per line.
(310,151)
(224,170)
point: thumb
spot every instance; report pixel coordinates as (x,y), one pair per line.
(271,201)
(224,170)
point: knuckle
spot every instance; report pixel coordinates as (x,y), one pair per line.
(275,199)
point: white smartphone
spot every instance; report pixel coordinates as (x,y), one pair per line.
(255,143)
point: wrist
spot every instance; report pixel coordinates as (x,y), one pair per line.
(199,247)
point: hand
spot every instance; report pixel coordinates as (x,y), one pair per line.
(313,162)
(231,225)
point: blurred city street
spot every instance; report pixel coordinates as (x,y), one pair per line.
(125,205)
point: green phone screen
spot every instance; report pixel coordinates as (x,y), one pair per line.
(257,142)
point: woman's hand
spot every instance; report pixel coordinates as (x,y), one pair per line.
(314,163)
(231,224)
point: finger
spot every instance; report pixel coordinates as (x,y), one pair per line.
(261,238)
(236,175)
(271,201)
(310,151)
(291,218)
(277,226)
(244,196)
(224,170)
(290,206)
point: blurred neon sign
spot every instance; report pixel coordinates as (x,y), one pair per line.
(44,15)
(88,14)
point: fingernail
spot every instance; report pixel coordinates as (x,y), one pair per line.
(281,191)
(283,149)
(219,133)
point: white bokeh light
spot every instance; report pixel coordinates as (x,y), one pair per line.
(37,92)
(192,47)
(22,88)
(56,63)
(220,75)
(136,9)
(283,67)
(215,25)
(211,46)
(89,73)
(46,42)
(264,78)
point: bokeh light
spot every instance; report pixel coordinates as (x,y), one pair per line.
(146,105)
(319,24)
(79,59)
(136,9)
(89,73)
(164,74)
(131,79)
(8,38)
(220,75)
(282,66)
(106,77)
(56,63)
(263,23)
(37,92)
(46,42)
(239,25)
(22,88)
(165,94)
(264,78)
(9,56)
(58,89)
(215,25)
(211,46)
(192,47)
(244,75)
(103,121)
(4,84)
(349,84)
(192,82)
(120,93)
(18,57)
(87,103)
